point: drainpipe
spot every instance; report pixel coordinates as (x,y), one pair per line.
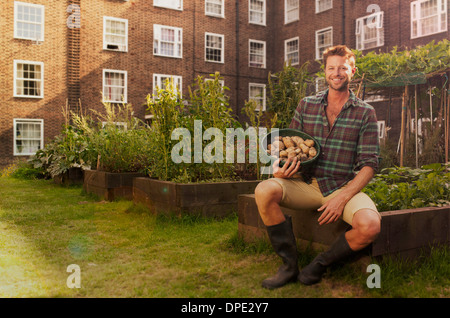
(238,74)
(343,22)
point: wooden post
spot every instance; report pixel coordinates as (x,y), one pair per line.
(447,117)
(416,126)
(402,128)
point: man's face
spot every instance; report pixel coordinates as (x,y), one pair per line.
(338,72)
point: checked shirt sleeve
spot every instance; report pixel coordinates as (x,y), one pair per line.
(297,122)
(368,150)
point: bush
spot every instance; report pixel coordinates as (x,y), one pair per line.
(208,108)
(406,188)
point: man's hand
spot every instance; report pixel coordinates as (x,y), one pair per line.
(332,210)
(288,169)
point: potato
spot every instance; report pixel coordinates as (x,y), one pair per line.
(309,142)
(288,142)
(279,145)
(298,140)
(292,147)
(305,149)
(292,154)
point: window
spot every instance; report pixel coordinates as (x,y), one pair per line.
(291,51)
(28,136)
(257,12)
(324,39)
(257,92)
(370,31)
(115,34)
(169,4)
(381,129)
(214,45)
(257,56)
(323,5)
(291,11)
(28,79)
(215,8)
(168,41)
(321,84)
(428,17)
(28,21)
(160,81)
(114,86)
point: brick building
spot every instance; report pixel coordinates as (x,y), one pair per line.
(56,52)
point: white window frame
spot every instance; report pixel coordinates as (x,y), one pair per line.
(381,128)
(318,32)
(250,54)
(17,4)
(287,53)
(374,20)
(417,18)
(222,48)
(321,84)
(323,5)
(124,97)
(219,3)
(260,100)
(169,4)
(258,13)
(159,80)
(106,43)
(16,79)
(290,9)
(15,139)
(177,42)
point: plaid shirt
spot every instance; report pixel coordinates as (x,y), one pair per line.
(351,144)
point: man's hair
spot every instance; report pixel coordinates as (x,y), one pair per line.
(340,50)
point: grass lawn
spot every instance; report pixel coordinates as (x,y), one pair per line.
(124,251)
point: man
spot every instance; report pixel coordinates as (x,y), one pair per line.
(346,128)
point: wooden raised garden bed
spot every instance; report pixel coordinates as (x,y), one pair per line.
(110,186)
(404,233)
(207,199)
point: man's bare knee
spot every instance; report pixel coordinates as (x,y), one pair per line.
(368,225)
(267,192)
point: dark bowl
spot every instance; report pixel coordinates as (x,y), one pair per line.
(267,139)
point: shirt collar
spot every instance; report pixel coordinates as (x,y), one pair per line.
(351,99)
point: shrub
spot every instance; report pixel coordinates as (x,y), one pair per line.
(69,149)
(406,188)
(209,106)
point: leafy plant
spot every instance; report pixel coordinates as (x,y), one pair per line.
(69,149)
(399,188)
(286,89)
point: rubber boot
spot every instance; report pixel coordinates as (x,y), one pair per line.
(283,242)
(312,273)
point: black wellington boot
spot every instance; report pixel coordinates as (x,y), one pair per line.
(313,272)
(283,241)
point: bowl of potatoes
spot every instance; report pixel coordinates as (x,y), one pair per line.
(287,143)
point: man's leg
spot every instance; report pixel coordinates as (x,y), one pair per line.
(366,225)
(268,195)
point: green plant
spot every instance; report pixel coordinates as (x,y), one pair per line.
(207,108)
(286,89)
(167,109)
(70,149)
(399,188)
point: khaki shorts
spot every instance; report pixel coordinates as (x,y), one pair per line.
(300,195)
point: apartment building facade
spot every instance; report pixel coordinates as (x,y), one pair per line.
(78,52)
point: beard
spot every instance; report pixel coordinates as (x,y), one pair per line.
(341,86)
